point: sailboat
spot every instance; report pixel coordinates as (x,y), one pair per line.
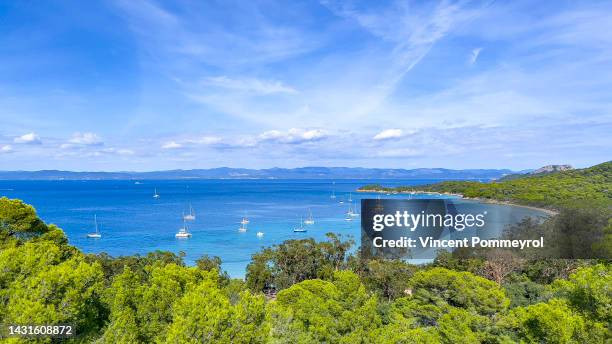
(191,216)
(301,228)
(97,234)
(333,195)
(245,220)
(379,207)
(183,233)
(155,194)
(349,214)
(350,210)
(243,228)
(260,234)
(354,212)
(350,198)
(309,220)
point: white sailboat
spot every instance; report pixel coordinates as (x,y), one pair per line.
(191,216)
(354,212)
(245,220)
(350,210)
(243,228)
(183,233)
(350,200)
(155,194)
(260,234)
(333,195)
(379,207)
(301,228)
(97,234)
(349,214)
(309,220)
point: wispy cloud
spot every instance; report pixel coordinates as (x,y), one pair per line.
(411,29)
(249,85)
(118,151)
(399,153)
(206,140)
(218,40)
(474,55)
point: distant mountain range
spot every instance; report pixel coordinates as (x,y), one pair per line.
(540,171)
(271,173)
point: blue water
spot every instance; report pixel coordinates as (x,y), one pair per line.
(132,221)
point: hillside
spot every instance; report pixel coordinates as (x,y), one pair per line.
(548,190)
(540,171)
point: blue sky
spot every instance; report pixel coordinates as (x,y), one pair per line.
(148,85)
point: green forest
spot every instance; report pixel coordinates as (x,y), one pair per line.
(593,184)
(304,291)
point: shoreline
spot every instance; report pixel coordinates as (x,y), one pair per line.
(550,212)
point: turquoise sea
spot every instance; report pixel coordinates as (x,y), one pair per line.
(132,221)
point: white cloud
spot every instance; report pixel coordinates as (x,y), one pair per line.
(124,152)
(271,135)
(293,135)
(474,55)
(171,145)
(6,149)
(314,134)
(206,140)
(250,85)
(388,134)
(30,138)
(86,139)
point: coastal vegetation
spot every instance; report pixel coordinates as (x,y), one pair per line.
(551,190)
(300,291)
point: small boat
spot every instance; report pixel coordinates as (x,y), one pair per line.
(348,218)
(245,220)
(333,195)
(350,211)
(191,216)
(183,233)
(301,228)
(354,212)
(260,234)
(137,183)
(243,228)
(309,220)
(379,207)
(97,234)
(350,200)
(155,194)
